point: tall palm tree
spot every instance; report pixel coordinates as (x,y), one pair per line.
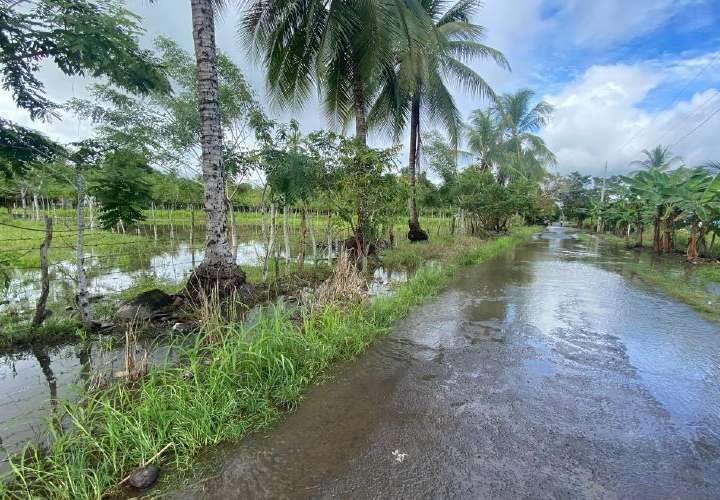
(218,271)
(423,62)
(340,46)
(520,121)
(659,158)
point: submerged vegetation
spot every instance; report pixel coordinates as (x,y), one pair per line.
(199,403)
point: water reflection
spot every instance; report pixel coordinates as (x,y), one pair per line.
(172,253)
(36,381)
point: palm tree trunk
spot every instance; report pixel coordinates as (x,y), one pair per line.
(415,233)
(358,89)
(218,269)
(412,160)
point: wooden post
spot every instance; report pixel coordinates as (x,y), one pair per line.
(303,232)
(44,276)
(82,299)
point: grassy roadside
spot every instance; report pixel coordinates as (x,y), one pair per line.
(235,379)
(674,276)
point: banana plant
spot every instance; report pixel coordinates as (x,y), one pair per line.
(699,201)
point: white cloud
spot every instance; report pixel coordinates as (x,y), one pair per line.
(611,21)
(597,112)
(597,118)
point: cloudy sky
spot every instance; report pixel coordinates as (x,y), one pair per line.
(623,75)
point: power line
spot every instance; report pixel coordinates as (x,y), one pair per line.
(709,117)
(675,98)
(695,114)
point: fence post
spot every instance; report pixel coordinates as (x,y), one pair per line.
(44,276)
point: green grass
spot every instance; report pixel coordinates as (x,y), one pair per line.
(234,380)
(674,276)
(682,281)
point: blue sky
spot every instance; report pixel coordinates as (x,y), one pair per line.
(623,75)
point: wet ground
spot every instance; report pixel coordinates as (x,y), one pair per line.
(540,374)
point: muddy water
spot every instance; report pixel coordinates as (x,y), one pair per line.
(35,383)
(542,373)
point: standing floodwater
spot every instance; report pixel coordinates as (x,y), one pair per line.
(542,373)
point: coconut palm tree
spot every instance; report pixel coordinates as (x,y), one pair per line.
(659,158)
(218,271)
(341,47)
(520,121)
(485,140)
(423,63)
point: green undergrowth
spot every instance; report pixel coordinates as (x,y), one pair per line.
(235,379)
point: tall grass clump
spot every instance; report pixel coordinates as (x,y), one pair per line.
(236,378)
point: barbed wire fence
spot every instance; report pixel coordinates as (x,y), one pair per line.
(153,251)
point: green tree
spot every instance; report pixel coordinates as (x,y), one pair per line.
(122,188)
(659,158)
(418,87)
(485,140)
(520,120)
(343,48)
(81,38)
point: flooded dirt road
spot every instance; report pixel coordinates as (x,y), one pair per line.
(540,374)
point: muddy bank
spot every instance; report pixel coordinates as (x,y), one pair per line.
(543,373)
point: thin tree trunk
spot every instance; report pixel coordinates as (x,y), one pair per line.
(36,207)
(313,241)
(82,298)
(656,231)
(233,231)
(412,160)
(692,243)
(271,241)
(218,268)
(329,237)
(702,241)
(44,276)
(286,236)
(627,236)
(23,202)
(303,236)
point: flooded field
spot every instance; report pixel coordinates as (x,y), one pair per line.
(166,252)
(34,382)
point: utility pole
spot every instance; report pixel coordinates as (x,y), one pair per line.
(599,227)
